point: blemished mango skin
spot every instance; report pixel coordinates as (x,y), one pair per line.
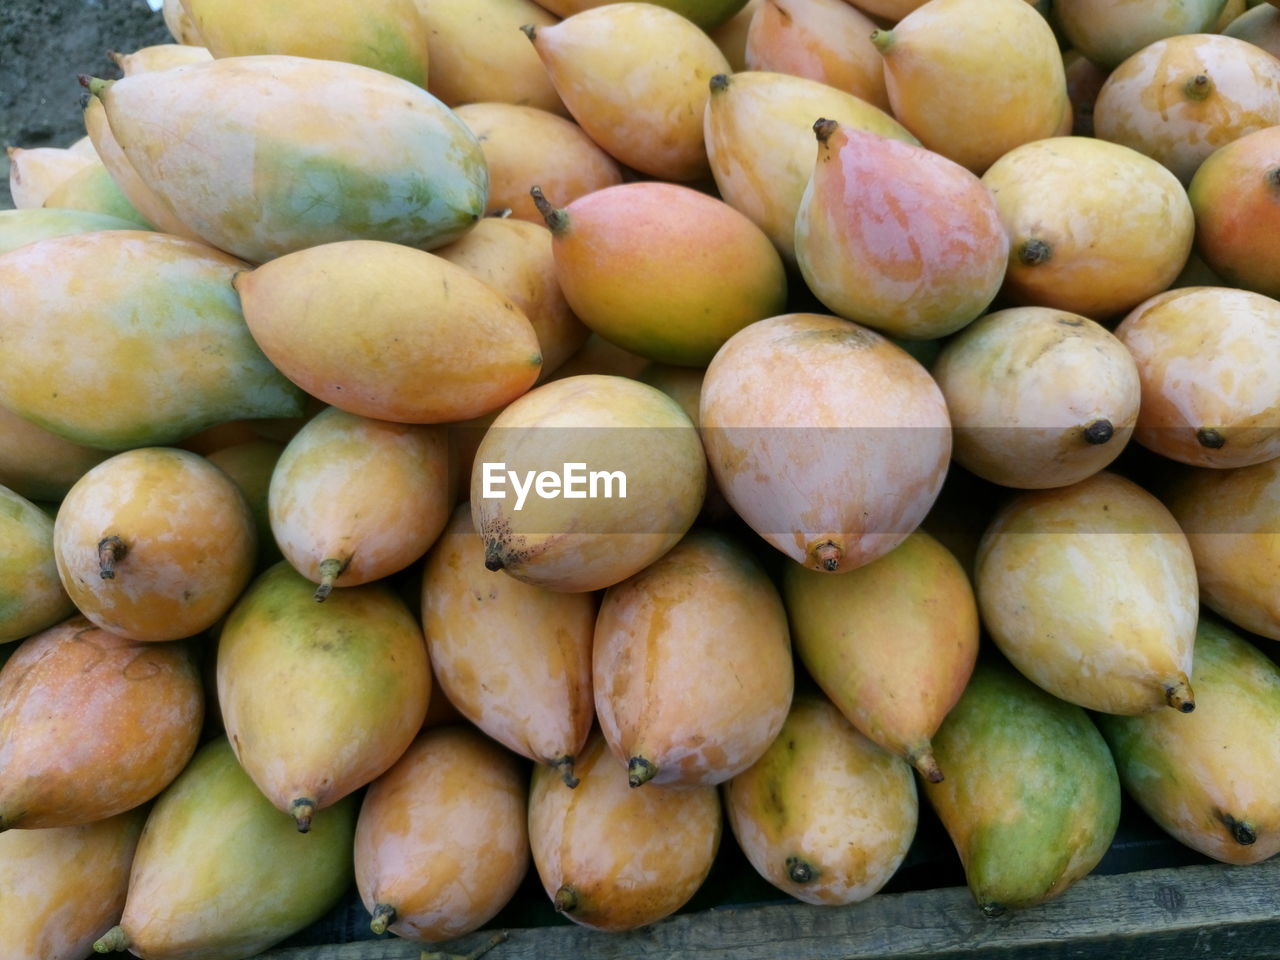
(390,332)
(824,815)
(829,441)
(136,722)
(634,76)
(1108,33)
(892,644)
(154,543)
(664,270)
(611,857)
(85,315)
(1210,384)
(386,35)
(514,658)
(691,665)
(64,885)
(1090,590)
(1094,227)
(975,78)
(264,155)
(31,594)
(319,699)
(1232,521)
(442,840)
(1210,779)
(1235,195)
(758,128)
(1031,799)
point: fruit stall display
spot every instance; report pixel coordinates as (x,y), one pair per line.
(721,477)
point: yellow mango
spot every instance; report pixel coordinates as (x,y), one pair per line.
(478,55)
(974,78)
(826,438)
(663,270)
(95,191)
(179,23)
(40,465)
(250,464)
(516,258)
(1210,384)
(31,595)
(1090,591)
(1179,99)
(514,658)
(442,840)
(692,664)
(731,35)
(1038,397)
(387,35)
(634,76)
(1107,33)
(263,155)
(825,815)
(627,459)
(705,13)
(824,40)
(35,172)
(20,227)
(759,134)
(154,543)
(161,56)
(389,332)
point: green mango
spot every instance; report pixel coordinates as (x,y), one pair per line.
(31,593)
(1031,798)
(1211,778)
(94,190)
(220,874)
(20,227)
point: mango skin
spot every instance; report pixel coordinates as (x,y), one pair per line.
(31,594)
(35,172)
(1108,33)
(93,189)
(298,152)
(219,874)
(85,315)
(20,227)
(40,465)
(1210,779)
(826,800)
(161,56)
(665,271)
(64,885)
(1032,797)
(705,13)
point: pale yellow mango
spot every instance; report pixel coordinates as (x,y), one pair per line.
(705,13)
(1107,32)
(161,56)
(179,23)
(759,134)
(31,594)
(390,332)
(35,172)
(634,76)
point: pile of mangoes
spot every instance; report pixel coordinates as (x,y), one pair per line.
(440,437)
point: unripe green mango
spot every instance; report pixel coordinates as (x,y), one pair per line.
(31,594)
(20,227)
(1031,798)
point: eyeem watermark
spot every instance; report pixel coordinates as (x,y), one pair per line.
(573,482)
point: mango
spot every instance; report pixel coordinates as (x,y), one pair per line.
(83,315)
(626,459)
(64,885)
(31,594)
(1108,33)
(154,544)
(897,237)
(35,172)
(691,665)
(975,78)
(663,270)
(600,357)
(92,724)
(1094,227)
(1038,397)
(442,840)
(20,227)
(828,440)
(249,465)
(1090,590)
(731,35)
(515,659)
(758,127)
(705,13)
(824,40)
(1232,522)
(1210,779)
(1177,100)
(353,500)
(264,155)
(219,874)
(1032,798)
(93,190)
(892,644)
(1210,391)
(634,76)
(160,56)
(432,342)
(40,465)
(825,815)
(1084,80)
(179,23)
(1259,26)
(613,858)
(319,699)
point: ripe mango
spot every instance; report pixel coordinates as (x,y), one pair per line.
(1108,33)
(94,191)
(705,13)
(35,172)
(20,227)
(160,56)
(40,465)
(31,594)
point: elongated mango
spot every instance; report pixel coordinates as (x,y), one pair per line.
(20,227)
(31,594)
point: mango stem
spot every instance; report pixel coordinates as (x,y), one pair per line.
(330,569)
(882,40)
(826,556)
(800,870)
(640,771)
(1179,695)
(113,941)
(565,766)
(823,129)
(1198,87)
(111,550)
(1211,438)
(383,916)
(557,220)
(566,899)
(302,810)
(924,762)
(1098,432)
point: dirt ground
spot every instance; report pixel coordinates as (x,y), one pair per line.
(44,46)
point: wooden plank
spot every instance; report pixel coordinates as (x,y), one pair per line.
(1213,910)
